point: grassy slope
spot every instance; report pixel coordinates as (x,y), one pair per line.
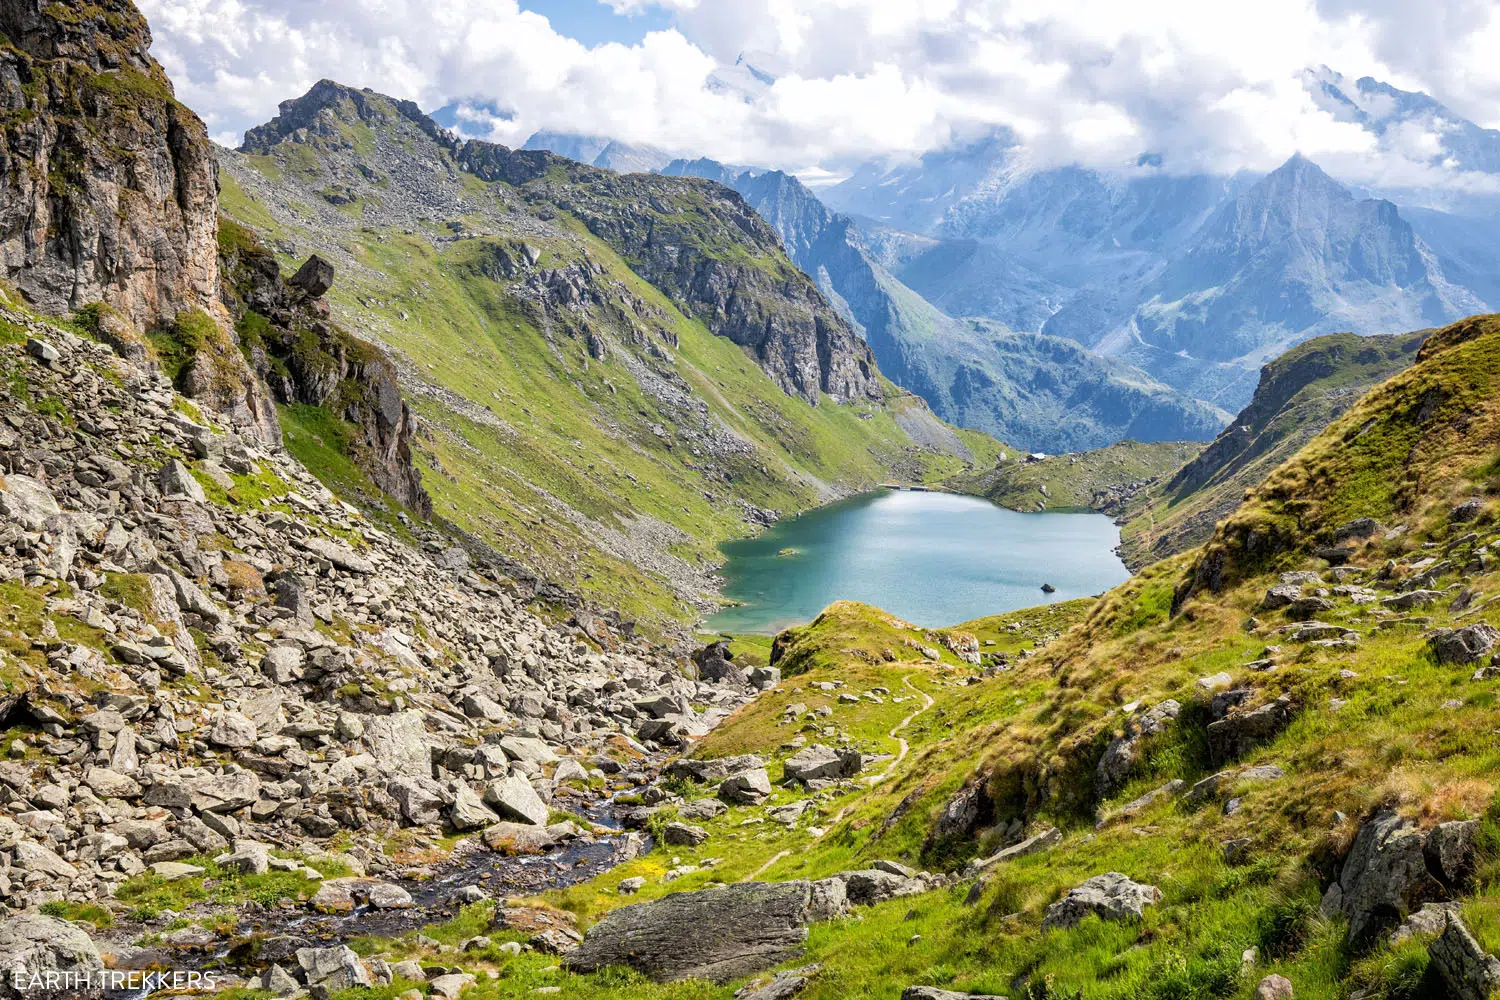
(1071,482)
(550,454)
(1382,725)
(1300,393)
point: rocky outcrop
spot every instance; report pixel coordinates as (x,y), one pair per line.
(1123,752)
(1393,868)
(109,193)
(717,934)
(1240,732)
(1110,896)
(701,244)
(303,357)
(1469,972)
(821,762)
(1465,645)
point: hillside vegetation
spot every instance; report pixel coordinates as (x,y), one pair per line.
(1299,394)
(1106,479)
(605,429)
(1192,731)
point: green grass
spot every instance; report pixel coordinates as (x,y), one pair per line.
(1071,482)
(89,913)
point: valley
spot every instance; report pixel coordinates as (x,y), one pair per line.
(437,570)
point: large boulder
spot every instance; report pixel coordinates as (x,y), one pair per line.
(27,501)
(1464,645)
(713,770)
(1384,877)
(336,968)
(398,742)
(33,945)
(514,798)
(748,789)
(468,811)
(716,934)
(1110,896)
(869,886)
(819,761)
(1240,733)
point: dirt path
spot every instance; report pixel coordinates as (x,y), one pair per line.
(901,743)
(872,781)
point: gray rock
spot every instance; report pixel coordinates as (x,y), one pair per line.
(1110,896)
(714,770)
(248,857)
(526,748)
(1123,752)
(749,789)
(1384,877)
(514,798)
(341,556)
(1412,600)
(387,896)
(1274,987)
(42,351)
(174,479)
(27,501)
(870,886)
(221,793)
(421,800)
(232,731)
(1464,645)
(783,986)
(1034,844)
(1449,851)
(1280,596)
(1237,735)
(819,761)
(682,835)
(30,856)
(1469,972)
(716,934)
(1429,921)
(449,986)
(314,278)
(336,968)
(111,784)
(468,811)
(399,744)
(933,993)
(279,982)
(32,945)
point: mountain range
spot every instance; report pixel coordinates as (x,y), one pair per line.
(1177,288)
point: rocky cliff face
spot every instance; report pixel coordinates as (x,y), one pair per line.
(108,187)
(1035,392)
(705,247)
(303,357)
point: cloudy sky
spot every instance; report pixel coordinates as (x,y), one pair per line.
(1207,85)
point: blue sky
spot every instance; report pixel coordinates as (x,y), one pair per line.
(594,23)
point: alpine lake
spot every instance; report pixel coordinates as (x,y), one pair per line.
(933,559)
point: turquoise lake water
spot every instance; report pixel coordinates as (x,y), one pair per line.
(933,559)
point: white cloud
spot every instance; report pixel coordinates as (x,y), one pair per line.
(1208,86)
